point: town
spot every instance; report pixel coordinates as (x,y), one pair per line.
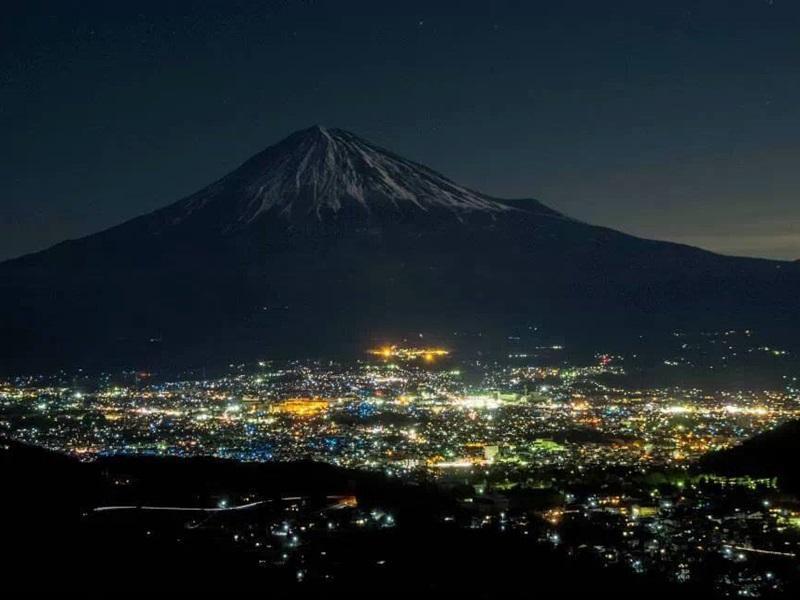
(571,455)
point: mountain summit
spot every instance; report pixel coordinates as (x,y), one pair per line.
(325,243)
(320,172)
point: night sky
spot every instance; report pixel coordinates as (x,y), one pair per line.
(673,119)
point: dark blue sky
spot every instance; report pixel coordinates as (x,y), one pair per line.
(677,119)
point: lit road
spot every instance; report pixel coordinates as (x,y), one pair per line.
(216,509)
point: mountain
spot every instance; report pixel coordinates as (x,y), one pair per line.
(325,242)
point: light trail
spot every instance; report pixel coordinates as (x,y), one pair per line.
(214,509)
(181,508)
(760,551)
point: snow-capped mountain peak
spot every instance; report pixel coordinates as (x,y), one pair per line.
(320,171)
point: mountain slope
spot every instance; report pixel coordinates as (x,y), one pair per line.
(325,242)
(320,171)
(764,455)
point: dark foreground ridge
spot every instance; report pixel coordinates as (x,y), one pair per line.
(115,524)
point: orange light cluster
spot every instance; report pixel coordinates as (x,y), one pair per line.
(426,354)
(301,407)
(347,502)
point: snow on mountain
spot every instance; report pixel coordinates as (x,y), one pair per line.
(319,170)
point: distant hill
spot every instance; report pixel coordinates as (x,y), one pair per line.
(770,454)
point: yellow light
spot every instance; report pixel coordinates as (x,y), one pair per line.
(426,354)
(301,407)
